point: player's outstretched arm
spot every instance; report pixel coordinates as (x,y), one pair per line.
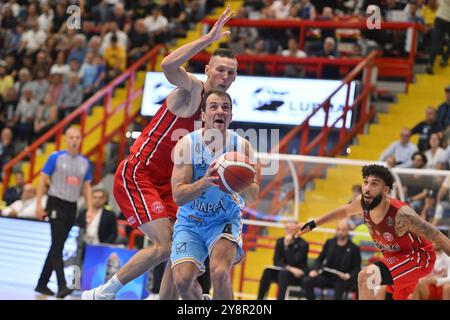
(408,220)
(172,64)
(334,215)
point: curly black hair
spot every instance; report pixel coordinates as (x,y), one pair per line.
(380,172)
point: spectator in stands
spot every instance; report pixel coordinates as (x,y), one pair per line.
(16,39)
(46,116)
(24,79)
(88,73)
(60,66)
(13,193)
(295,71)
(25,113)
(26,206)
(327,15)
(60,18)
(281,8)
(442,213)
(426,128)
(101,12)
(116,59)
(11,65)
(43,62)
(6,147)
(401,150)
(259,49)
(119,15)
(436,285)
(140,9)
(436,156)
(56,85)
(122,37)
(40,85)
(429,15)
(33,39)
(8,108)
(336,267)
(71,96)
(329,51)
(157,25)
(443,113)
(140,42)
(8,20)
(100,76)
(175,13)
(416,187)
(303,10)
(94,45)
(101,225)
(441,28)
(46,18)
(6,81)
(78,51)
(289,264)
(29,13)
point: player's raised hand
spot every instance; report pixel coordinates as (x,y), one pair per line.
(216,32)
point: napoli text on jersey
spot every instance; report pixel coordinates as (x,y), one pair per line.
(213,203)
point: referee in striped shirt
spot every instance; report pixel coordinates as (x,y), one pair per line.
(68,176)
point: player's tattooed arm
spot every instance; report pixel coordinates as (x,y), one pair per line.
(408,220)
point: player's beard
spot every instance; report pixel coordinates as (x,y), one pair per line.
(375,202)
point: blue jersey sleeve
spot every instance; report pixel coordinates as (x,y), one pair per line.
(50,164)
(88,175)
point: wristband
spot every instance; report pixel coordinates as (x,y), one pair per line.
(311,224)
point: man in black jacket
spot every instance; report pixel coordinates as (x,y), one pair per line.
(290,264)
(336,267)
(101,227)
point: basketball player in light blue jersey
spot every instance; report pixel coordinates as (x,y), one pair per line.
(208,220)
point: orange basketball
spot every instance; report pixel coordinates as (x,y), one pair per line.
(235,171)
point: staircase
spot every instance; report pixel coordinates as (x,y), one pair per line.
(407,111)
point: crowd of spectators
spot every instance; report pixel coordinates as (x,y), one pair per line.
(427,194)
(48,67)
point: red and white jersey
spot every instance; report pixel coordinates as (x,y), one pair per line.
(394,248)
(154,146)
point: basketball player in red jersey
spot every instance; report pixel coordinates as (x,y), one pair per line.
(142,185)
(401,235)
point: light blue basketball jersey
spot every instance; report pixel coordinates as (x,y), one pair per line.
(213,203)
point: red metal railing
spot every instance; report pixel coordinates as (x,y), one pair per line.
(388,67)
(360,107)
(81,114)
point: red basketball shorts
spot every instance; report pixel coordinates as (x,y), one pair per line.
(407,272)
(141,194)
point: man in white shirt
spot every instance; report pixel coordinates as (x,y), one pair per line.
(100,225)
(33,39)
(26,206)
(157,25)
(402,150)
